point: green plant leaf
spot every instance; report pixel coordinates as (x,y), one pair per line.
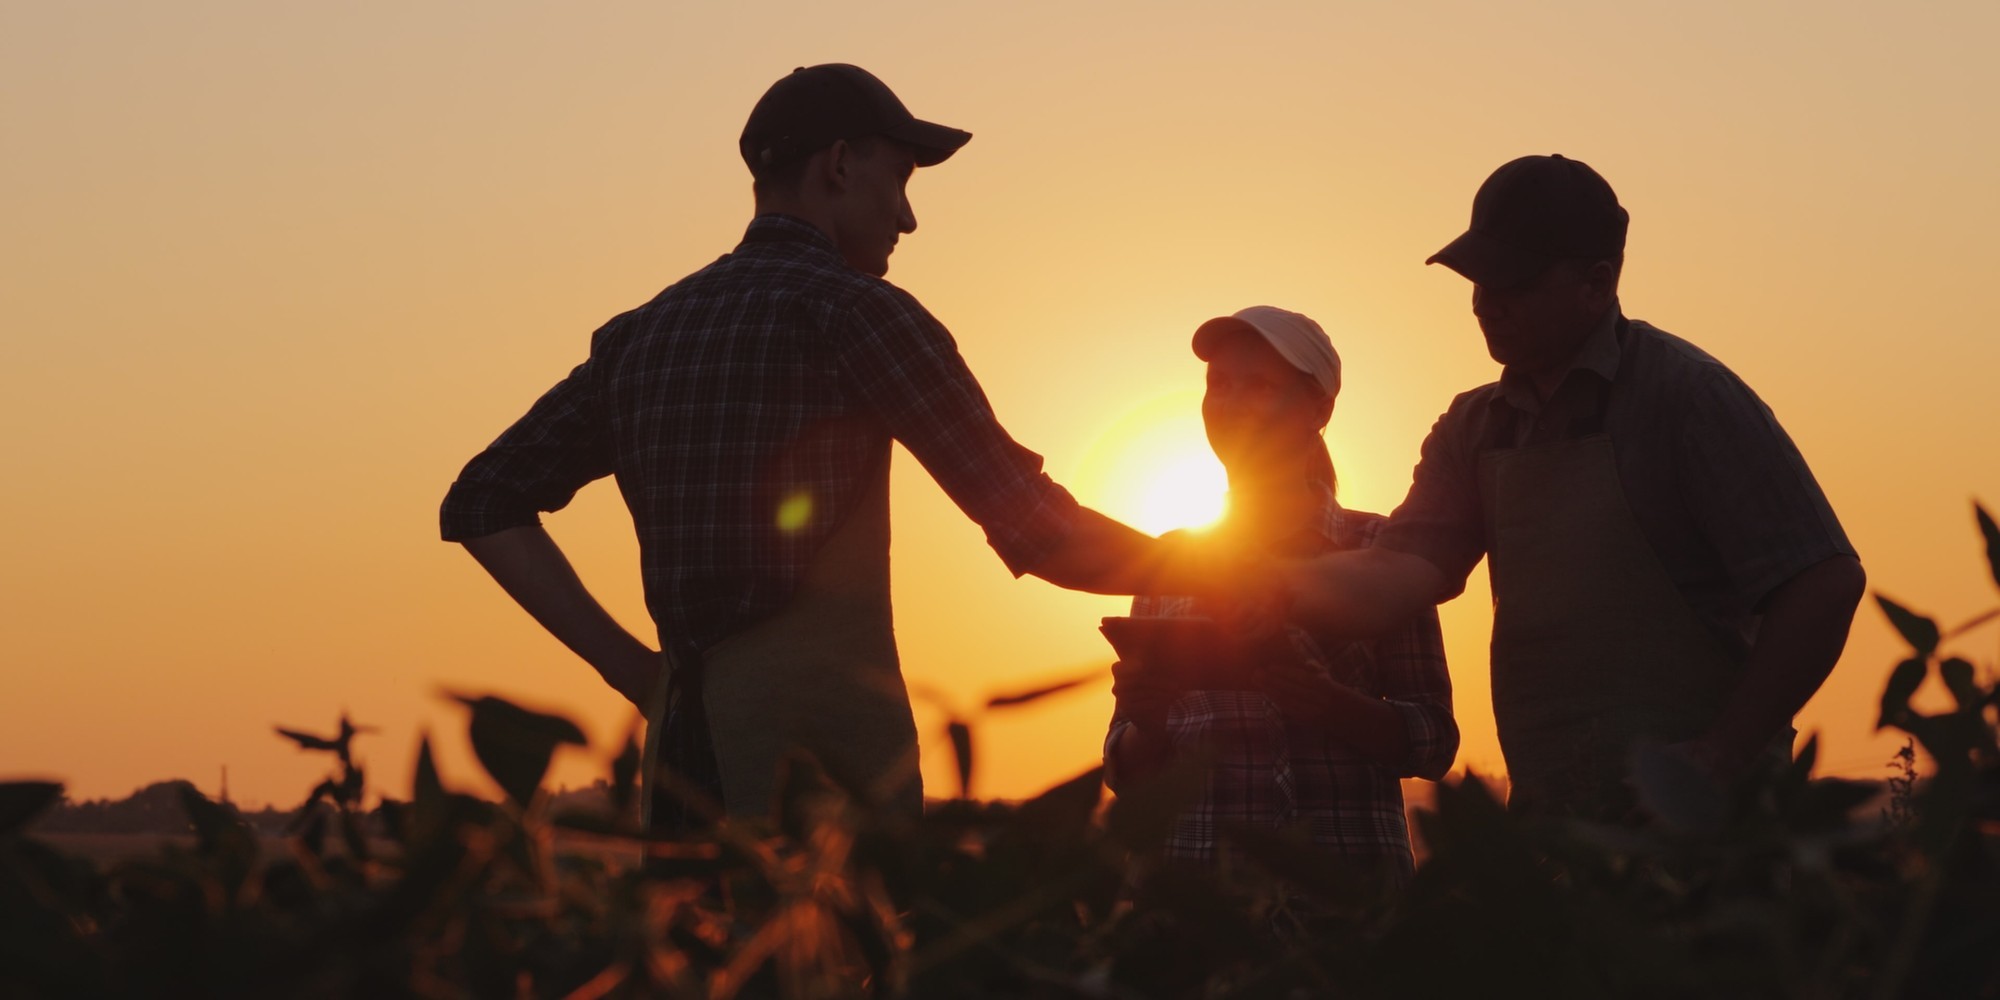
(1677,790)
(1991,532)
(515,745)
(1958,679)
(1036,694)
(1920,632)
(308,741)
(1903,682)
(961,754)
(21,801)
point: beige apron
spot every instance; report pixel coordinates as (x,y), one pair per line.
(820,675)
(1594,648)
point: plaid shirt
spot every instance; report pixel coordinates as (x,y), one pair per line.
(742,410)
(1270,771)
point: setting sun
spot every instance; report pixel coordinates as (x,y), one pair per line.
(1184,491)
(1152,467)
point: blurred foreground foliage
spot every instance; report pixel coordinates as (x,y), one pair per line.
(1786,886)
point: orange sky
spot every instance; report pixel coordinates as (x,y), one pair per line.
(273,272)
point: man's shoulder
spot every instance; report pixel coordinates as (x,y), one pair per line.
(1662,354)
(803,285)
(1671,375)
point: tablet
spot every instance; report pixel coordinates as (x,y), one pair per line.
(1195,654)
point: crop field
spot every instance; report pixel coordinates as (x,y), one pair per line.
(1786,885)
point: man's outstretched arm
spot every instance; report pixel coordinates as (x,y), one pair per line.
(1101,555)
(1362,593)
(532,569)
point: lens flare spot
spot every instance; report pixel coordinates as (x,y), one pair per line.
(795,512)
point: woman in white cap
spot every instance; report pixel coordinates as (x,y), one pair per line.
(1320,734)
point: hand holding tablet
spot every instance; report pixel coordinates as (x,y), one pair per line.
(1186,654)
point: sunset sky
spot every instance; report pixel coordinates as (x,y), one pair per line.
(274,271)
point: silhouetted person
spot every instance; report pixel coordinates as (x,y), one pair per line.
(1664,566)
(1322,735)
(747,412)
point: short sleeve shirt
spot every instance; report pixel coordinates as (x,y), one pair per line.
(1715,484)
(743,411)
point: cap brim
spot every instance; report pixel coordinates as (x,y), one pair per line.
(1486,261)
(933,143)
(1207,334)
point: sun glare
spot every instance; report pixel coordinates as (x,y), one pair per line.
(1185,491)
(1153,470)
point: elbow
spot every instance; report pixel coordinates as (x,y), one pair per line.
(1430,740)
(458,514)
(1853,577)
(472,511)
(1833,587)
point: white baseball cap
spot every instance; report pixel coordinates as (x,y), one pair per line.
(1295,336)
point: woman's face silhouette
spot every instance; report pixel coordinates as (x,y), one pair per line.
(1263,416)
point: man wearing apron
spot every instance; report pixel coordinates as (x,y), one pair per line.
(1664,567)
(747,412)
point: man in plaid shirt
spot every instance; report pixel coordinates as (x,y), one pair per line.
(1320,734)
(747,413)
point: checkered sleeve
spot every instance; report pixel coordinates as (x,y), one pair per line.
(1440,519)
(1410,674)
(907,369)
(535,465)
(1749,489)
(1416,684)
(1112,773)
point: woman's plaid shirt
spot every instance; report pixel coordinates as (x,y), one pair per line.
(1270,771)
(742,410)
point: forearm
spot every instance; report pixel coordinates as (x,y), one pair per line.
(1360,593)
(1804,628)
(1103,556)
(532,569)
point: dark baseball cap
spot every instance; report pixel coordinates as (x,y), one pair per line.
(815,106)
(1533,212)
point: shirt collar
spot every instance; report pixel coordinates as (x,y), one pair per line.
(773,227)
(1599,355)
